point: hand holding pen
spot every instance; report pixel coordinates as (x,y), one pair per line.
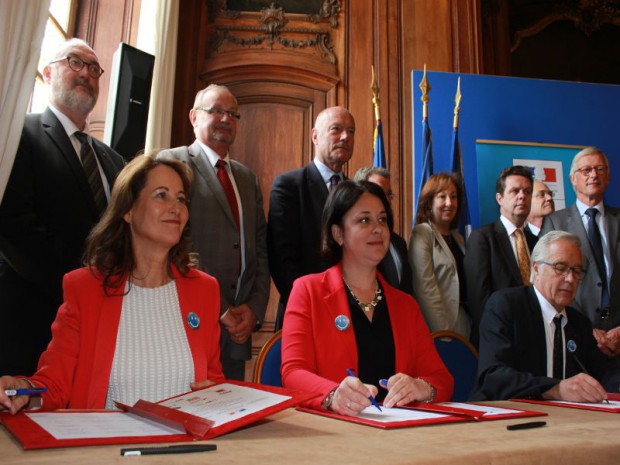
(15,393)
(404,389)
(352,396)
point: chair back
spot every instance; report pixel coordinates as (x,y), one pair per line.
(267,367)
(461,359)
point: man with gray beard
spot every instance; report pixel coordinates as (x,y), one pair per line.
(58,188)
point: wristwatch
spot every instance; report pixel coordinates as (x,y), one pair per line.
(327,402)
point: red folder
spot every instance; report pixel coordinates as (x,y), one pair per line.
(190,427)
(387,425)
(585,406)
(451,409)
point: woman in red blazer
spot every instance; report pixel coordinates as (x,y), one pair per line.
(138,321)
(349,319)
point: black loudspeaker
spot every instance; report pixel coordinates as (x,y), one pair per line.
(128,101)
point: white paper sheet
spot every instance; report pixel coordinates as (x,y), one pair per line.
(225,402)
(396,414)
(85,425)
(612,405)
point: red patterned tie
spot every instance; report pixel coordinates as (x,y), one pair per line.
(222,175)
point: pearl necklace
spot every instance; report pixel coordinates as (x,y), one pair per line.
(369,306)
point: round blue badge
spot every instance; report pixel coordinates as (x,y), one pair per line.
(571,346)
(342,322)
(193,321)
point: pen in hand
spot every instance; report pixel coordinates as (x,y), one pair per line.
(572,349)
(370,398)
(24,391)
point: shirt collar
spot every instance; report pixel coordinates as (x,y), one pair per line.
(325,172)
(68,125)
(582,207)
(510,227)
(212,157)
(548,311)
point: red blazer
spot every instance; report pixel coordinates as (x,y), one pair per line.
(77,363)
(315,354)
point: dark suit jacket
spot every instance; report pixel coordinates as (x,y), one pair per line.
(588,297)
(512,361)
(294,229)
(47,212)
(216,239)
(490,265)
(387,267)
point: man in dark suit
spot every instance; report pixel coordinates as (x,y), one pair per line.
(227,224)
(297,200)
(598,296)
(497,254)
(50,205)
(532,345)
(395,266)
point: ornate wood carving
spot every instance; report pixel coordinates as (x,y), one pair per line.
(273,28)
(587,15)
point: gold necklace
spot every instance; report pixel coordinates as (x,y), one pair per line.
(371,305)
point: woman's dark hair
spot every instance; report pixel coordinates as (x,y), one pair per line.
(339,202)
(435,184)
(109,250)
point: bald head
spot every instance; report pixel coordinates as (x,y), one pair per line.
(333,137)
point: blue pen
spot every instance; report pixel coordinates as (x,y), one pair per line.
(24,391)
(371,398)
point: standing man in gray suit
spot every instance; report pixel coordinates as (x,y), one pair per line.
(597,225)
(227,223)
(58,188)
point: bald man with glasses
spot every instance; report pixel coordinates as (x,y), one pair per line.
(58,188)
(598,227)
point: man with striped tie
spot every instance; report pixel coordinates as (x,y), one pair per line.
(57,190)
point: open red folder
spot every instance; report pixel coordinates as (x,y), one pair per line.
(234,404)
(612,407)
(429,414)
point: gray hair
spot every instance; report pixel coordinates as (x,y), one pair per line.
(209,88)
(367,171)
(585,152)
(541,250)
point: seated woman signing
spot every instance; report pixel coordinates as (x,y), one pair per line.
(349,318)
(137,322)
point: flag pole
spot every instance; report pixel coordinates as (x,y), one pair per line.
(379,159)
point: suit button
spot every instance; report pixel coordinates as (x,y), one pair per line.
(235,246)
(233,286)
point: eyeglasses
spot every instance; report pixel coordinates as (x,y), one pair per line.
(562,269)
(220,113)
(76,64)
(587,170)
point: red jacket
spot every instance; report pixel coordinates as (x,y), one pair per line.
(315,354)
(76,365)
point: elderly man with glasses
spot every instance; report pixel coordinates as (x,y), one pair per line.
(227,223)
(598,227)
(533,345)
(58,188)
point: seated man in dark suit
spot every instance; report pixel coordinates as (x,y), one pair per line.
(395,266)
(58,188)
(532,345)
(498,254)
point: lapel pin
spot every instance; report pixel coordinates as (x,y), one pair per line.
(193,321)
(342,322)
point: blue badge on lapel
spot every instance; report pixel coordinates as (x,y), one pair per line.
(342,322)
(193,321)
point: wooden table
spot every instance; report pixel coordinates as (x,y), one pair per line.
(572,436)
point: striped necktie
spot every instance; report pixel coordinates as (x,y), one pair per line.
(89,163)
